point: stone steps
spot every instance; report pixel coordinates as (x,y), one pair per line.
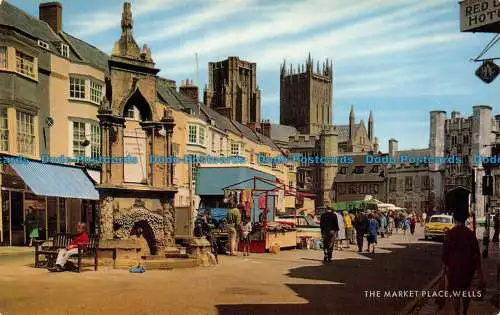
(171,263)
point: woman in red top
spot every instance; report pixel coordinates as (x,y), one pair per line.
(461,260)
(80,239)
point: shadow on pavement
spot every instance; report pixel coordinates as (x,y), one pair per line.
(408,268)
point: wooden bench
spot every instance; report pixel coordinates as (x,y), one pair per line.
(89,250)
(60,240)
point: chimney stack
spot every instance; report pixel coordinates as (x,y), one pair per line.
(189,90)
(265,127)
(51,13)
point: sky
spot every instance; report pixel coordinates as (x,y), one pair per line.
(398,58)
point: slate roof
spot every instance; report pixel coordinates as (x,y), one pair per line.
(81,51)
(89,54)
(343,131)
(282,132)
(414,152)
(224,123)
(14,17)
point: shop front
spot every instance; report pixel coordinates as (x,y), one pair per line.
(39,200)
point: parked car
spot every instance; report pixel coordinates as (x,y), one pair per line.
(438,225)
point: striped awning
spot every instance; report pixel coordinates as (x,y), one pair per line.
(56,180)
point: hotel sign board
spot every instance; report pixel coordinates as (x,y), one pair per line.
(480,16)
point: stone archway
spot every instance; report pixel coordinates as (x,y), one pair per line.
(151,223)
(147,233)
(457,198)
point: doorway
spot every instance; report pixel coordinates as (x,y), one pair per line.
(17,218)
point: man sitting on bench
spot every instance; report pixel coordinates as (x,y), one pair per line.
(81,238)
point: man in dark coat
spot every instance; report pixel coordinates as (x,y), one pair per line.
(329,229)
(361,225)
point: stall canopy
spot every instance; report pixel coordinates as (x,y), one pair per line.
(356,205)
(213,180)
(54,180)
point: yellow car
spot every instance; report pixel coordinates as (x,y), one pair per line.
(438,225)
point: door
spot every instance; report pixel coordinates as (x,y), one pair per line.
(5,237)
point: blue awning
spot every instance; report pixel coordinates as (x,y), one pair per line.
(56,180)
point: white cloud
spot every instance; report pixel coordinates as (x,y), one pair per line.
(349,39)
(214,11)
(293,19)
(97,22)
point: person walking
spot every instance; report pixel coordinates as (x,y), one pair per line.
(246,229)
(349,231)
(413,223)
(341,236)
(406,226)
(496,227)
(373,227)
(329,229)
(461,261)
(397,222)
(233,221)
(383,225)
(390,224)
(361,225)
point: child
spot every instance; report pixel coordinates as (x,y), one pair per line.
(406,225)
(246,228)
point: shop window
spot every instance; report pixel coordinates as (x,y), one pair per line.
(25,64)
(62,215)
(52,216)
(25,133)
(77,88)
(4,130)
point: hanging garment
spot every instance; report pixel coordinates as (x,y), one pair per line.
(248,208)
(280,198)
(262,202)
(246,195)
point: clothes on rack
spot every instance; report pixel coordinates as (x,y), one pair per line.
(263,201)
(246,196)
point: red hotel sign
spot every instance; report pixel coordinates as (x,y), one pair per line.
(480,16)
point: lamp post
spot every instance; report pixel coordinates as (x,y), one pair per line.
(487,192)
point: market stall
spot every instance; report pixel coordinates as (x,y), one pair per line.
(260,198)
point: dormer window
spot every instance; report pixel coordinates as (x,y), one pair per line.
(43,44)
(64,50)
